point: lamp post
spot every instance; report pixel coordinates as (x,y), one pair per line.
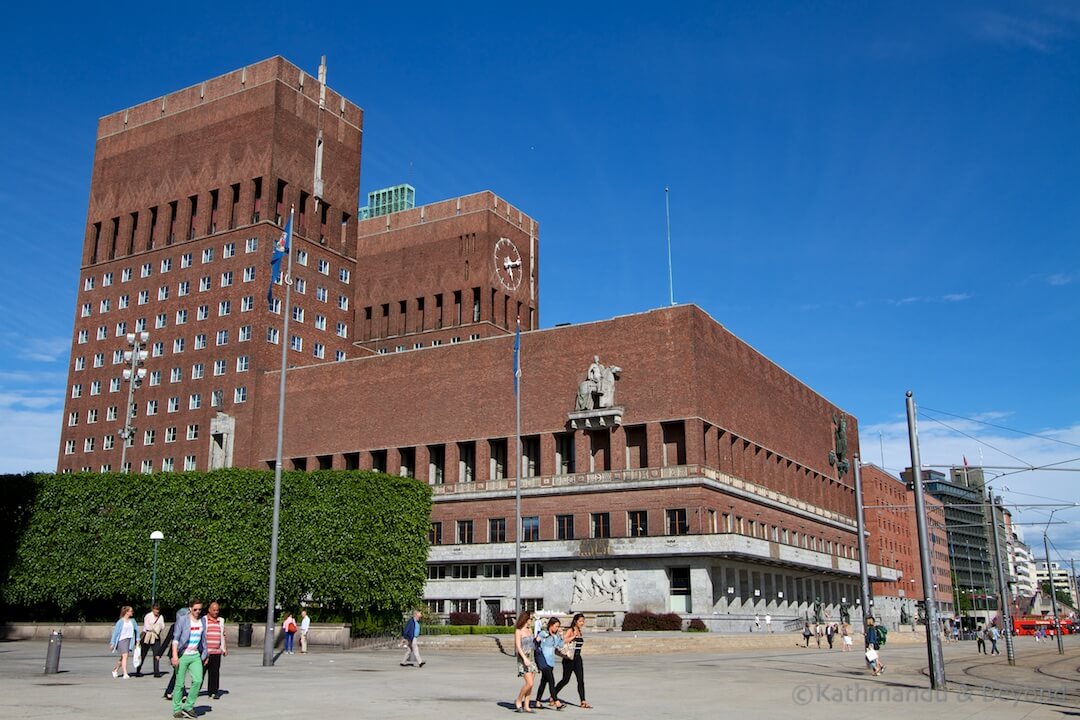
(157,536)
(134,375)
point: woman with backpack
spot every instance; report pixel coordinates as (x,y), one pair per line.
(548,641)
(288,625)
(875,638)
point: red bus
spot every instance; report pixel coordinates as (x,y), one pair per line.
(1030,624)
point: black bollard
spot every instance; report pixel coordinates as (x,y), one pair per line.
(52,659)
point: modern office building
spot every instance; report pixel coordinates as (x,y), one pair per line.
(665,464)
(1063,580)
(893,542)
(389,200)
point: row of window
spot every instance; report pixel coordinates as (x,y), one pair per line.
(206,283)
(441,606)
(637,525)
(147,466)
(108,442)
(434,343)
(471,571)
(414,316)
(198,370)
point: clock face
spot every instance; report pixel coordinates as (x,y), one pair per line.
(508,265)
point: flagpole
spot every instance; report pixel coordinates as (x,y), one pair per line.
(271,625)
(517,482)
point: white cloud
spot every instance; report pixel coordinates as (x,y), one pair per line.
(31,440)
(941,446)
(48,349)
(1011,31)
(956,297)
(1058,279)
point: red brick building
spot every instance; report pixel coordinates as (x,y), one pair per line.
(893,542)
(666,464)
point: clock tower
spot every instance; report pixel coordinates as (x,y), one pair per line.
(449,272)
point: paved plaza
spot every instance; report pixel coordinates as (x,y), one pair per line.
(478,683)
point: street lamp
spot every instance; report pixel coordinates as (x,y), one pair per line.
(157,536)
(134,375)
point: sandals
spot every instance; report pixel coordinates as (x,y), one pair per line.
(585,705)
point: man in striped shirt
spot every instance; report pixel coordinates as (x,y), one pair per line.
(216,649)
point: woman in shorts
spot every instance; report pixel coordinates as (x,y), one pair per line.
(524,650)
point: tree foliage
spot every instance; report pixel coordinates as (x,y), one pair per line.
(77,545)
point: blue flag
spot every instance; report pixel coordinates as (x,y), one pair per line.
(517,358)
(281,247)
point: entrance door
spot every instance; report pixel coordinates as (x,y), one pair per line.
(680,590)
(491,612)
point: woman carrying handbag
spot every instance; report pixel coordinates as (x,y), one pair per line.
(571,659)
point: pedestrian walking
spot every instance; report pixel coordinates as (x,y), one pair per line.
(216,649)
(411,637)
(153,630)
(757,622)
(845,634)
(524,651)
(806,634)
(768,623)
(830,633)
(817,634)
(995,635)
(288,626)
(124,636)
(305,626)
(956,632)
(189,655)
(166,643)
(980,640)
(875,638)
(573,641)
(548,641)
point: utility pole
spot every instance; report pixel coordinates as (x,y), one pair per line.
(933,629)
(1003,613)
(1053,593)
(860,524)
(134,375)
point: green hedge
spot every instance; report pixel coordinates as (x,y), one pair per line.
(77,546)
(467,630)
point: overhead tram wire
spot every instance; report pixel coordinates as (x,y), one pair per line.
(1003,427)
(972,437)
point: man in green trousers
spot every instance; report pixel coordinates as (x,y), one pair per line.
(188,657)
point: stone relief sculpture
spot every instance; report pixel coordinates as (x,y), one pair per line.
(599,588)
(597,390)
(838,457)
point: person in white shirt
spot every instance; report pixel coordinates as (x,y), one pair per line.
(153,630)
(305,625)
(768,623)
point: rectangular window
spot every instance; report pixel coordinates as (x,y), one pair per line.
(247,303)
(676,522)
(80,363)
(151,407)
(319,350)
(564,454)
(185,260)
(219,367)
(189,462)
(227,278)
(163,292)
(144,297)
(249,273)
(202,312)
(435,534)
(91,416)
(496,530)
(228,250)
(200,341)
(197,371)
(342,330)
(123,302)
(530,529)
(343,302)
(166,464)
(114,385)
(343,275)
(320,322)
(88,284)
(242,363)
(125,275)
(205,283)
(95,387)
(178,345)
(207,255)
(240,395)
(217,397)
(466,461)
(222,337)
(531,570)
(564,527)
(296,343)
(272,335)
(102,332)
(245,333)
(84,336)
(147,467)
(324,267)
(301,257)
(160,321)
(148,437)
(298,313)
(321,294)
(601,525)
(498,570)
(465,532)
(170,434)
(166,265)
(176,375)
(300,285)
(193,432)
(85,310)
(252,245)
(637,523)
(195,401)
(106,279)
(111,413)
(146,270)
(497,454)
(155,377)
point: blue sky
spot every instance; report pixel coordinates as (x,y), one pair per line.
(878,196)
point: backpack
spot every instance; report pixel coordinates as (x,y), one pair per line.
(882,634)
